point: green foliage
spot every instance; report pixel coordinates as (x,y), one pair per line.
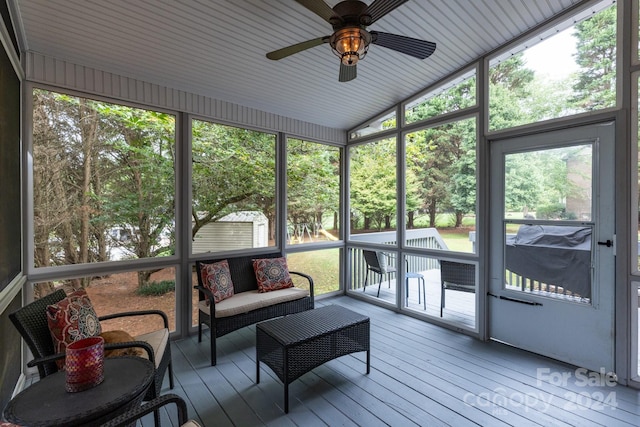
(596,56)
(509,85)
(554,211)
(233,169)
(156,288)
(541,178)
(458,97)
(100,166)
(443,159)
(522,181)
(373,183)
(313,181)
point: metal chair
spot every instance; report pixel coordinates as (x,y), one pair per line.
(456,276)
(31,323)
(377,263)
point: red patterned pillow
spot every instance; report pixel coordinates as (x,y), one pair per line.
(72,319)
(272,274)
(217,278)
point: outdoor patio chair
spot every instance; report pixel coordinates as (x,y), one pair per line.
(31,322)
(377,263)
(456,276)
(130,418)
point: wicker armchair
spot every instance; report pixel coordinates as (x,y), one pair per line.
(129,418)
(456,276)
(31,323)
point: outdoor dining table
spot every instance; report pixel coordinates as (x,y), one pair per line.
(47,403)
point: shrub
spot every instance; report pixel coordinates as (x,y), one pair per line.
(157,288)
(555,211)
(550,211)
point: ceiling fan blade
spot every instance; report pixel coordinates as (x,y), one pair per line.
(380,8)
(318,7)
(417,48)
(290,50)
(347,72)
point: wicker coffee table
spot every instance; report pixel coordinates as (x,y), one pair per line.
(295,344)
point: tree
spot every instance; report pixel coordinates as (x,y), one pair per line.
(98,166)
(313,182)
(443,158)
(373,183)
(463,181)
(140,173)
(233,170)
(523,181)
(509,84)
(596,56)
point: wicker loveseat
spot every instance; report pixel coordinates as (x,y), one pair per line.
(247,306)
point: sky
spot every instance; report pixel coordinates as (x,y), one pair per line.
(554,56)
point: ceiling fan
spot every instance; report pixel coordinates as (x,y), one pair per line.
(350,40)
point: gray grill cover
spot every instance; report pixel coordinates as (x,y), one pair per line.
(555,255)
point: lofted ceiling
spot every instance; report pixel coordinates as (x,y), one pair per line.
(217,48)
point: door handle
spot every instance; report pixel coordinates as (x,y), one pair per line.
(608,243)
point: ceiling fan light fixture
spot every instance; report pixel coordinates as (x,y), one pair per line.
(350,44)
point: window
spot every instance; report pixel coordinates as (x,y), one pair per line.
(457,94)
(234,183)
(440,181)
(547,222)
(573,70)
(373,192)
(103,181)
(313,192)
(384,122)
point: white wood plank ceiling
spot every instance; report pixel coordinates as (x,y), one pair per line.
(217,48)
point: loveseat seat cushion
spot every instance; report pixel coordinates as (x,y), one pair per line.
(244,302)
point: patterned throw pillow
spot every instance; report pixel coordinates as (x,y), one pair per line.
(272,274)
(217,278)
(70,320)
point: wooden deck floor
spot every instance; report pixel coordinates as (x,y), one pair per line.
(460,307)
(421,375)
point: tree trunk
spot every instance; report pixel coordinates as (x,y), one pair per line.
(410,219)
(459,216)
(431,208)
(143,278)
(88,122)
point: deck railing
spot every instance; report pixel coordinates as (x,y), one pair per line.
(427,238)
(519,283)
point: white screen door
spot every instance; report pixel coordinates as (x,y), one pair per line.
(551,287)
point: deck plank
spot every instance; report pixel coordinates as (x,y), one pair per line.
(421,374)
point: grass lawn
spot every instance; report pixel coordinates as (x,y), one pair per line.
(322,266)
(457,240)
